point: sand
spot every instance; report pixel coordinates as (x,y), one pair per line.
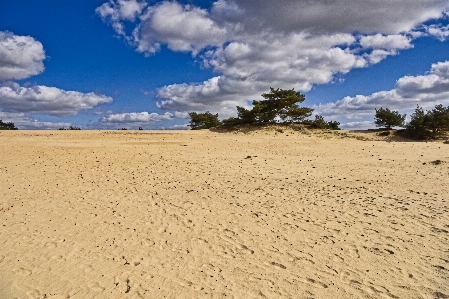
(200,214)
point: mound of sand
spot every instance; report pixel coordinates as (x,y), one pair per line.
(277,213)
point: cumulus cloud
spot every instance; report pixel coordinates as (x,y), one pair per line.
(359,125)
(47,100)
(139,118)
(118,11)
(387,42)
(249,68)
(183,28)
(253,45)
(20,56)
(24,122)
(426,90)
(439,31)
(369,16)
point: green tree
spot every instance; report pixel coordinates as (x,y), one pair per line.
(429,124)
(245,116)
(387,118)
(416,128)
(7,126)
(281,103)
(437,120)
(205,120)
(334,125)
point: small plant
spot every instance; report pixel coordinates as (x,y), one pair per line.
(123,129)
(140,128)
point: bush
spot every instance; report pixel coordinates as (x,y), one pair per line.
(320,123)
(205,120)
(7,126)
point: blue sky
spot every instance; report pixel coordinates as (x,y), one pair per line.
(134,63)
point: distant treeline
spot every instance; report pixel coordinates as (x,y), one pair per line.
(70,128)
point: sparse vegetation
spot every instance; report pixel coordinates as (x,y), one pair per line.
(70,128)
(7,126)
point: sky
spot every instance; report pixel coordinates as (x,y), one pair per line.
(109,64)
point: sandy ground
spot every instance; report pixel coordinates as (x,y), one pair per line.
(270,214)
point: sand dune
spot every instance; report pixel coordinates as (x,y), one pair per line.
(199,214)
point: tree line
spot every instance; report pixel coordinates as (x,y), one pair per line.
(279,106)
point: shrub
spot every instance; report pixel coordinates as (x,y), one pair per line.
(320,123)
(205,120)
(7,126)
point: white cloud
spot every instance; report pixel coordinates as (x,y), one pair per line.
(427,91)
(139,118)
(120,10)
(439,31)
(24,122)
(359,125)
(20,56)
(371,16)
(249,68)
(253,45)
(177,127)
(387,42)
(183,28)
(47,100)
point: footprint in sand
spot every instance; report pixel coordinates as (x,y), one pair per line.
(86,268)
(95,286)
(22,271)
(59,296)
(353,251)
